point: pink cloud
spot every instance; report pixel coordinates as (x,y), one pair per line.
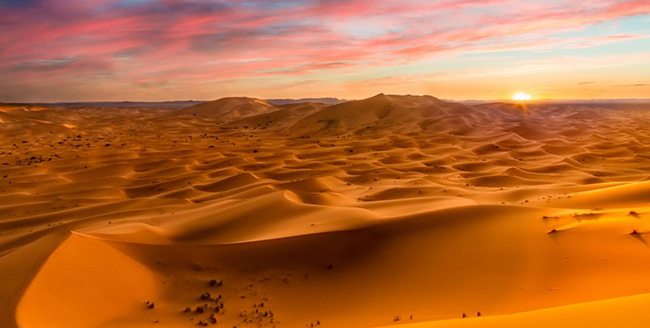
(199,42)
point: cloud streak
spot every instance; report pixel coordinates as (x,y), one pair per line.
(190,44)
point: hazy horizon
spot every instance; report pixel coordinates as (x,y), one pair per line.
(327,98)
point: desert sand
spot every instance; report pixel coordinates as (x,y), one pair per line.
(392,211)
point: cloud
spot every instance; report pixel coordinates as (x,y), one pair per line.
(144,42)
(18,3)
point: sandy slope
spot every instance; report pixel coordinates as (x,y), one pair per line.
(617,312)
(229,109)
(360,214)
(6,107)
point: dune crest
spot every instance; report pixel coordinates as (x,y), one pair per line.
(228,109)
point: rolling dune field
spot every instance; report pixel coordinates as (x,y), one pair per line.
(392,211)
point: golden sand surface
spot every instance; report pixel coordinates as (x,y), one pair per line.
(399,211)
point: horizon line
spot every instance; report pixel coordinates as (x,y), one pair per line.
(307,98)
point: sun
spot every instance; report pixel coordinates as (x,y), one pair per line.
(521,96)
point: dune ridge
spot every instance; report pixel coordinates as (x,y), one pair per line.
(357,214)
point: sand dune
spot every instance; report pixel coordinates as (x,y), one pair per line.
(401,113)
(401,211)
(618,312)
(6,107)
(229,109)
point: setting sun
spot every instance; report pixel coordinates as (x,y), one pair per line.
(521,96)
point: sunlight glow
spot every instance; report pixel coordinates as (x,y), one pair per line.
(521,96)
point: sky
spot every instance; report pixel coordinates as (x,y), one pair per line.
(156,50)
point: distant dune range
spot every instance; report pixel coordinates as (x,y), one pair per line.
(396,211)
